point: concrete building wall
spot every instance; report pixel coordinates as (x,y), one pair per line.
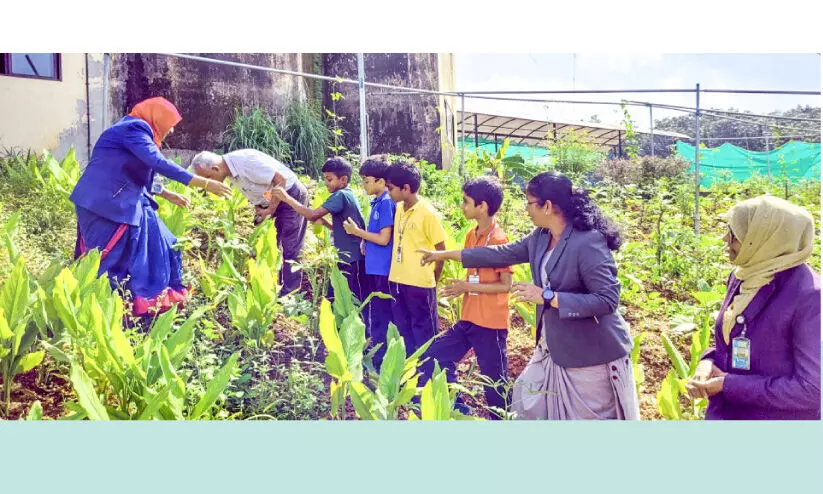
(396,123)
(205,93)
(50,115)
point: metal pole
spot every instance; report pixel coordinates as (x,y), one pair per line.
(619,145)
(768,157)
(697,162)
(476,140)
(105,122)
(364,130)
(462,133)
(651,127)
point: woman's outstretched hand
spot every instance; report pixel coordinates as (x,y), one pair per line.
(430,256)
(176,199)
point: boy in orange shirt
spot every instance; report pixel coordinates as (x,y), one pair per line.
(484,321)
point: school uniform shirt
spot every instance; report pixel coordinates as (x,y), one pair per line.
(378,257)
(342,204)
(252,172)
(417,228)
(489,310)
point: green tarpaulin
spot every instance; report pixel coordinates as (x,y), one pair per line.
(527,152)
(795,160)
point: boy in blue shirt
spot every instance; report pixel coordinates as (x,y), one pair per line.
(378,244)
(341,204)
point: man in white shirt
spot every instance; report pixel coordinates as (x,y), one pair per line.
(255,173)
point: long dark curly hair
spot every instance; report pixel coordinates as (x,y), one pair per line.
(575,204)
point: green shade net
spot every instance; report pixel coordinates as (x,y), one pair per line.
(794,160)
(527,152)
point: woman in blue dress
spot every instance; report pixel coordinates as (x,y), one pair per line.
(116,208)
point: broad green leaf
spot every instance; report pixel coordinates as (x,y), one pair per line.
(336,363)
(343,299)
(161,328)
(338,391)
(180,343)
(155,402)
(86,395)
(708,298)
(407,393)
(35,412)
(435,402)
(15,295)
(121,344)
(391,369)
(363,400)
(29,362)
(9,232)
(675,357)
(216,386)
(382,295)
(353,337)
(57,353)
(5,331)
(668,398)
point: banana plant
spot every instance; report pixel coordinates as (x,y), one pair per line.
(18,332)
(509,169)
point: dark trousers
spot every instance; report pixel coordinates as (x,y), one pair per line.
(291,232)
(414,311)
(489,347)
(378,314)
(355,274)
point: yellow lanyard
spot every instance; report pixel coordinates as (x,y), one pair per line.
(486,244)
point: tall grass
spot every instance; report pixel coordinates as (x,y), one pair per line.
(256,129)
(308,135)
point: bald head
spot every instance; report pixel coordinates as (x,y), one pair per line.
(209,165)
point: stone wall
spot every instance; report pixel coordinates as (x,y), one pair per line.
(396,123)
(205,93)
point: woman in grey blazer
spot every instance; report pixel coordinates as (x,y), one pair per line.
(580,368)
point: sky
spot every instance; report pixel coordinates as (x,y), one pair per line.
(522,71)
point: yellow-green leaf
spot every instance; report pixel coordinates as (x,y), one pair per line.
(86,395)
(29,362)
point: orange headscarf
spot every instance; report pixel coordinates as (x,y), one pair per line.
(160,114)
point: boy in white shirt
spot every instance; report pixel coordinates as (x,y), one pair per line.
(255,173)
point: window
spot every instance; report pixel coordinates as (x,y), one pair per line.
(33,65)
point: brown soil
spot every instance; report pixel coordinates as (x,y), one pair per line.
(27,389)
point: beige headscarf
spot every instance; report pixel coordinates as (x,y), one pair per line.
(775,235)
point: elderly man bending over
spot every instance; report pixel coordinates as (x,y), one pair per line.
(255,173)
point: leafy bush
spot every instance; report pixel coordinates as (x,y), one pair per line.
(574,154)
(642,171)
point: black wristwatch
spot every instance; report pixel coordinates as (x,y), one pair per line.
(548,295)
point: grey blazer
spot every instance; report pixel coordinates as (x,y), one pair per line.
(586,330)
